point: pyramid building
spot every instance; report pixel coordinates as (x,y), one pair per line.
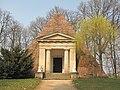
(54,49)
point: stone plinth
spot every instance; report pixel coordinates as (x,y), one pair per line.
(39,75)
(74,75)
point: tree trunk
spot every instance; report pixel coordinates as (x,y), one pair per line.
(114,61)
(101,63)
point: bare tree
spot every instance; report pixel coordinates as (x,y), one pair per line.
(114,17)
(110,9)
(5,19)
(83,10)
(26,38)
(36,26)
(14,35)
(71,16)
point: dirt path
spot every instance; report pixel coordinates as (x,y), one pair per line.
(56,85)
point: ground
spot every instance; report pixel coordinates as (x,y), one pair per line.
(80,84)
(97,84)
(18,84)
(56,85)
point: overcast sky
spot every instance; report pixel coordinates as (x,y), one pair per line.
(27,10)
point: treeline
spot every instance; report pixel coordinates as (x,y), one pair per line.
(12,33)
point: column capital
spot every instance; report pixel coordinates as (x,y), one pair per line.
(73,48)
(66,49)
(41,48)
(48,48)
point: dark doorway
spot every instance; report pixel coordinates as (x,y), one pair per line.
(57,65)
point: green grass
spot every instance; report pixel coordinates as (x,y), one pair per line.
(18,84)
(97,84)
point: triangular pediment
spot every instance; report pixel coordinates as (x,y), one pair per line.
(57,36)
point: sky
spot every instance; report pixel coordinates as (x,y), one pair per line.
(26,11)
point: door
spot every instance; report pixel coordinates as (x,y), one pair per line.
(57,65)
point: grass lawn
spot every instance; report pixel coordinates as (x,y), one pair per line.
(97,84)
(18,84)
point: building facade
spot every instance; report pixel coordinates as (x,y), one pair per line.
(56,47)
(57,53)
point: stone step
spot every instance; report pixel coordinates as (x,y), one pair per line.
(57,76)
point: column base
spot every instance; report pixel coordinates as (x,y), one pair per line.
(39,75)
(74,75)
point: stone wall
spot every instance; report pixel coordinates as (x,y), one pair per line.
(88,66)
(34,49)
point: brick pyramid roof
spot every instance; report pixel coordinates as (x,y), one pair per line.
(57,24)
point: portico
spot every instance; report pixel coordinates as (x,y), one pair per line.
(57,53)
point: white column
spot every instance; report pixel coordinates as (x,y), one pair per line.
(48,61)
(72,60)
(42,58)
(66,61)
